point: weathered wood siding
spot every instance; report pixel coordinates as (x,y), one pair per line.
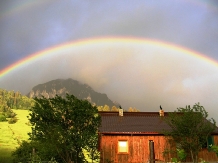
(215,138)
(139,149)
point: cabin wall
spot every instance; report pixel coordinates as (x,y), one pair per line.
(139,149)
(215,139)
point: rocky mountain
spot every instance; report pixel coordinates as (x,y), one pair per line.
(70,86)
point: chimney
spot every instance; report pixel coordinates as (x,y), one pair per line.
(161,112)
(120,111)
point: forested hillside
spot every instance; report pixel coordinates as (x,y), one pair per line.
(15,100)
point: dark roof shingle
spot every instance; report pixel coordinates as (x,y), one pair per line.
(133,123)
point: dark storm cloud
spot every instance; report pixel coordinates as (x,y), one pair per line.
(32,29)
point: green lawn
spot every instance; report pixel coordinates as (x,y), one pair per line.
(10,134)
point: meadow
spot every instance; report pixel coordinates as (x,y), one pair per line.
(12,134)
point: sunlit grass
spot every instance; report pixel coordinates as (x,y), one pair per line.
(12,134)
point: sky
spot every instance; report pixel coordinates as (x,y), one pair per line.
(141,53)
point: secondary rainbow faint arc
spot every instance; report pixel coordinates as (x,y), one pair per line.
(28,5)
(93,41)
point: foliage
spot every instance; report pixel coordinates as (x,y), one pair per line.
(22,153)
(203,161)
(2,118)
(92,150)
(34,151)
(181,154)
(174,160)
(103,108)
(214,148)
(69,124)
(114,108)
(133,110)
(12,120)
(190,128)
(14,100)
(9,113)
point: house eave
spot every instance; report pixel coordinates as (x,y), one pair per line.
(130,133)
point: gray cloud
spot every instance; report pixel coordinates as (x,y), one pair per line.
(141,76)
(136,76)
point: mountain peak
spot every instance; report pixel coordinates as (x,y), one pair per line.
(62,86)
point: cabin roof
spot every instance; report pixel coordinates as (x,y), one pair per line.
(132,123)
(146,123)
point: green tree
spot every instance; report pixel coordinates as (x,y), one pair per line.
(93,152)
(67,123)
(133,109)
(130,109)
(114,108)
(100,108)
(190,129)
(14,100)
(106,108)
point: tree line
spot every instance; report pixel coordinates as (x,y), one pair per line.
(116,109)
(14,100)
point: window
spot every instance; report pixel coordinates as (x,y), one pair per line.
(209,142)
(123,146)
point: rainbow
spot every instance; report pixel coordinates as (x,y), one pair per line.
(94,41)
(19,7)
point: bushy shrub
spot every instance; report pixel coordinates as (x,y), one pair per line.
(181,154)
(22,153)
(9,114)
(214,148)
(12,120)
(42,151)
(2,118)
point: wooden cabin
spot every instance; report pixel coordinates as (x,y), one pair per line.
(135,137)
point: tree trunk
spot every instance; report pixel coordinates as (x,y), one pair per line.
(192,156)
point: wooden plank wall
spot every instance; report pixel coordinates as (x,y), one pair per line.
(215,138)
(139,149)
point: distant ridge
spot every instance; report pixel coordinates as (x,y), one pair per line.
(70,86)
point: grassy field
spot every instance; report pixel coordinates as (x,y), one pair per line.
(11,133)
